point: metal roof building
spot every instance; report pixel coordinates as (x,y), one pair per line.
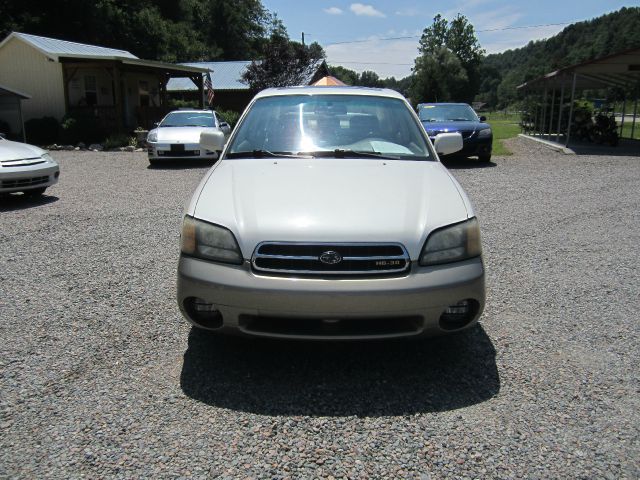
(114,86)
(55,48)
(621,70)
(224,76)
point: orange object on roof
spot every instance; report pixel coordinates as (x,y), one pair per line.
(328,81)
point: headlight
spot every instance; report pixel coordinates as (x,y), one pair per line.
(47,158)
(209,242)
(452,244)
(153,136)
(484,133)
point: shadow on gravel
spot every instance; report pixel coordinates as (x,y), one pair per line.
(13,202)
(453,163)
(340,379)
(181,164)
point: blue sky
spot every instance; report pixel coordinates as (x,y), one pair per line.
(330,22)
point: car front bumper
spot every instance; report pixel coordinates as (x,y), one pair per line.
(24,178)
(274,306)
(165,151)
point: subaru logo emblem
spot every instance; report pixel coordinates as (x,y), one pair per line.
(330,257)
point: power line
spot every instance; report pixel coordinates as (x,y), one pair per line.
(418,36)
(409,37)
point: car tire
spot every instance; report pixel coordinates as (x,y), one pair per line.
(35,192)
(485,158)
(153,163)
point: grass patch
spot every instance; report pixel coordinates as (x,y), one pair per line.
(504,126)
(626,129)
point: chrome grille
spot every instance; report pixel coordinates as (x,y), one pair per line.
(330,258)
(24,182)
(23,162)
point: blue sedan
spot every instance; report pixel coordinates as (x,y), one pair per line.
(477,137)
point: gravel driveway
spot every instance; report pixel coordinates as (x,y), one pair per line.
(101,377)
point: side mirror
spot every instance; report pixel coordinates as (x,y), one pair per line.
(483,118)
(446,143)
(156,124)
(212,140)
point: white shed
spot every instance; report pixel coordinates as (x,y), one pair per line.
(61,77)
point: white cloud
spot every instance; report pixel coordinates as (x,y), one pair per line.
(366,10)
(333,11)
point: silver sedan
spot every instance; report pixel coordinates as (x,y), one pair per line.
(177,135)
(26,168)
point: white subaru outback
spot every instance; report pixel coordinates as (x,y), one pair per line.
(330,216)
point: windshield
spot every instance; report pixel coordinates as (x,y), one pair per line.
(447,113)
(188,119)
(330,126)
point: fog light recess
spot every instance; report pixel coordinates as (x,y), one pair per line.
(203,313)
(459,315)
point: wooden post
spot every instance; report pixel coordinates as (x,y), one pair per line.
(560,110)
(544,112)
(24,134)
(553,101)
(624,109)
(573,95)
(635,112)
(200,84)
(117,88)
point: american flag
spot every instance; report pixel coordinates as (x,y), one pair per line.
(209,86)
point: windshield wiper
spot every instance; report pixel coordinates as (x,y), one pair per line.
(458,120)
(342,153)
(265,153)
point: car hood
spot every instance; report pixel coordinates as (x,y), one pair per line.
(17,151)
(433,128)
(180,134)
(330,200)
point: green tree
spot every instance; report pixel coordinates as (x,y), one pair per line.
(439,77)
(457,80)
(369,78)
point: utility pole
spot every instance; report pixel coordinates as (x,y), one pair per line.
(303,39)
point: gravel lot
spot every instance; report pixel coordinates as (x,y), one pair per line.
(101,377)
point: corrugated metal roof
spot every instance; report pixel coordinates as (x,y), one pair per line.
(61,48)
(224,76)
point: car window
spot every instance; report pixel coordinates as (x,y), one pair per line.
(447,113)
(188,119)
(325,123)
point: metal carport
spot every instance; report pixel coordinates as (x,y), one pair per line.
(618,70)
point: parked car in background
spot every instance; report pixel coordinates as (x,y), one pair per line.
(329,216)
(477,136)
(177,135)
(26,168)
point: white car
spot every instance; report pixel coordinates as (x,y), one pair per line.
(26,168)
(330,216)
(177,135)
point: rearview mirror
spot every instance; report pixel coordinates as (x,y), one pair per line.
(446,143)
(212,140)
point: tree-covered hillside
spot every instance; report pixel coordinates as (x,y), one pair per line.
(170,30)
(501,73)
